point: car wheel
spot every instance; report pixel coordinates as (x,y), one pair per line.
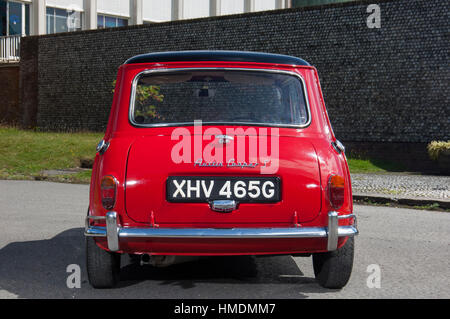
(333,269)
(103,267)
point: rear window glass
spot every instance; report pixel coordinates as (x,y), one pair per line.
(219,96)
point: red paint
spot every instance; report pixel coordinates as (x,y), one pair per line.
(139,158)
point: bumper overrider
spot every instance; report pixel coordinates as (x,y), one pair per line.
(113,232)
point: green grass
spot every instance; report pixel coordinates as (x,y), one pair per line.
(25,154)
(367,165)
(434,206)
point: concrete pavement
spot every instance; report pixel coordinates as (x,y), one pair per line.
(42,233)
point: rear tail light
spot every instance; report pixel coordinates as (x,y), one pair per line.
(336,188)
(108,189)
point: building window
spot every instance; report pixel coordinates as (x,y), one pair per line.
(61,20)
(104,21)
(14,18)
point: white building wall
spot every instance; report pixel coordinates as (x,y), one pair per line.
(157,10)
(231,7)
(195,9)
(262,5)
(76,5)
(114,7)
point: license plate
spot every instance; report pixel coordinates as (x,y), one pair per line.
(183,189)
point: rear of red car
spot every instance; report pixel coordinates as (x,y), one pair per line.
(219,153)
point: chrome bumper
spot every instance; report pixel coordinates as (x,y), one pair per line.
(113,232)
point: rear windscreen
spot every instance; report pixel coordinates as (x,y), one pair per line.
(219,96)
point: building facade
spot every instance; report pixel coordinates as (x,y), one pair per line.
(37,17)
(20,18)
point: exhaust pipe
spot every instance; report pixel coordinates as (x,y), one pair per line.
(145,259)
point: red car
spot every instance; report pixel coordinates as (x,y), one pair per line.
(213,153)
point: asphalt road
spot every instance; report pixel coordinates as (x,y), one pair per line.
(41,233)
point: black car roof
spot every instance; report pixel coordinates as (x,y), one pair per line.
(232,56)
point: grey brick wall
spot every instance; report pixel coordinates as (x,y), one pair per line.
(388,84)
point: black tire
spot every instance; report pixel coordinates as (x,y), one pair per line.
(103,267)
(333,269)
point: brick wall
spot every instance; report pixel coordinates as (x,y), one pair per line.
(380,85)
(9,94)
(29,81)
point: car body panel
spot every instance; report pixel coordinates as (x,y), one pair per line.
(147,175)
(139,158)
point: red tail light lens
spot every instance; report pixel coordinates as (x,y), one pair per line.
(108,189)
(336,187)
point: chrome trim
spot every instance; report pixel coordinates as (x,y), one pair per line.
(102,146)
(224,139)
(93,230)
(332,230)
(223,206)
(311,232)
(294,232)
(347,216)
(347,231)
(167,70)
(113,232)
(338,146)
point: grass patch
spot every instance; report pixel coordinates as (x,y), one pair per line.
(434,206)
(25,154)
(367,165)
